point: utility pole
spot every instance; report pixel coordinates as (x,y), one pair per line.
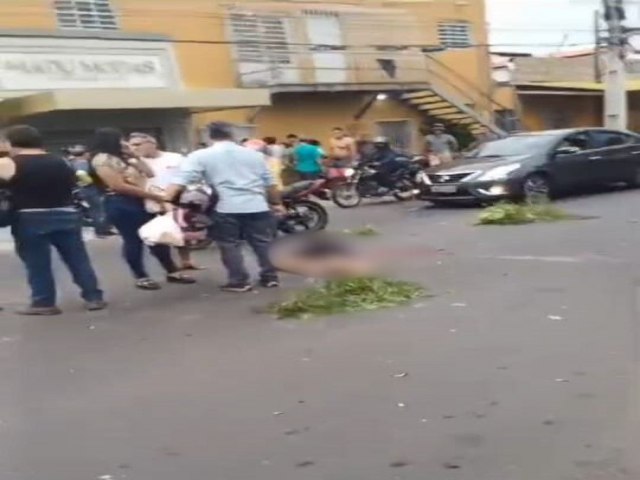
(597,61)
(615,98)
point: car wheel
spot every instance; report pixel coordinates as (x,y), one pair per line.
(536,188)
(634,181)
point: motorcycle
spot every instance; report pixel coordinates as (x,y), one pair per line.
(363,184)
(303,214)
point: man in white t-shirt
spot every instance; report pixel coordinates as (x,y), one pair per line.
(165,167)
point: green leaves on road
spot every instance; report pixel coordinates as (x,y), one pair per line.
(366,231)
(345,296)
(520,214)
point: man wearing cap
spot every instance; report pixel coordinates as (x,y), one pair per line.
(247,194)
(440,145)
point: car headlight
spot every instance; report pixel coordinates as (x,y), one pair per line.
(498,173)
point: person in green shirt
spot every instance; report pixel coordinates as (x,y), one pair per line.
(307,160)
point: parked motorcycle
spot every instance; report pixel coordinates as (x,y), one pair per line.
(363,184)
(303,214)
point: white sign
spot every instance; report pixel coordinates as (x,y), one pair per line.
(43,71)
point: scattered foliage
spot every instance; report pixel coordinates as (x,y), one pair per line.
(366,231)
(348,295)
(519,214)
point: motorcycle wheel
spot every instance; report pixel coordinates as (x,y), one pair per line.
(305,216)
(346,195)
(406,191)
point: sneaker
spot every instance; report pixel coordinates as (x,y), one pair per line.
(39,311)
(236,287)
(95,306)
(269,282)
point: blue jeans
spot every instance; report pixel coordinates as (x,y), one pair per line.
(35,233)
(258,230)
(128,214)
(95,200)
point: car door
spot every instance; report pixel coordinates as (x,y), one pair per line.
(610,156)
(569,161)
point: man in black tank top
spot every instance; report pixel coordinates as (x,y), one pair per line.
(41,187)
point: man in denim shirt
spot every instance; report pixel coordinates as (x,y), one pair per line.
(247,193)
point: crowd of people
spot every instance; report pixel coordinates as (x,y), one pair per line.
(127,181)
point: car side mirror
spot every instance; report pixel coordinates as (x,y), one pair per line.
(566,150)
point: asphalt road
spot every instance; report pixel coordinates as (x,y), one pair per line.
(522,366)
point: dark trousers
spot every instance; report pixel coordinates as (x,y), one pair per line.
(257,229)
(35,233)
(127,214)
(309,176)
(95,200)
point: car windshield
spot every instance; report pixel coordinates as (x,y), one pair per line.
(514,146)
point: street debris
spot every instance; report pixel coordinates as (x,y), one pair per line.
(293,431)
(348,295)
(505,213)
(562,380)
(459,305)
(402,405)
(424,420)
(451,466)
(105,477)
(555,317)
(399,464)
(277,414)
(400,375)
(453,330)
(306,463)
(92,327)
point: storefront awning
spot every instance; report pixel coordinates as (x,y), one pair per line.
(632,85)
(134,99)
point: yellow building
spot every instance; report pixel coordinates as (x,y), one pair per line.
(271,68)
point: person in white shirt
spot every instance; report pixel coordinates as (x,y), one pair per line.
(165,166)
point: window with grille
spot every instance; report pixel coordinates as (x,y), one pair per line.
(454,34)
(260,39)
(85,14)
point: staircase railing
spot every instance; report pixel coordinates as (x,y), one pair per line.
(467,91)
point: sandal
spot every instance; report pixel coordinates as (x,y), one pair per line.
(190,267)
(180,279)
(147,284)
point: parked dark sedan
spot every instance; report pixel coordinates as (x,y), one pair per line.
(540,164)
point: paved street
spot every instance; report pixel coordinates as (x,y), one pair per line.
(522,366)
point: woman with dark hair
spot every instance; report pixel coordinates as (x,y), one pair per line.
(123,178)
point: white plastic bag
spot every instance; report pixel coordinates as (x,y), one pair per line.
(162,230)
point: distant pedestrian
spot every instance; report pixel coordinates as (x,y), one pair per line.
(247,192)
(307,160)
(273,163)
(42,187)
(342,149)
(123,179)
(274,148)
(440,145)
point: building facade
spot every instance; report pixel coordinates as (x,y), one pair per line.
(272,68)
